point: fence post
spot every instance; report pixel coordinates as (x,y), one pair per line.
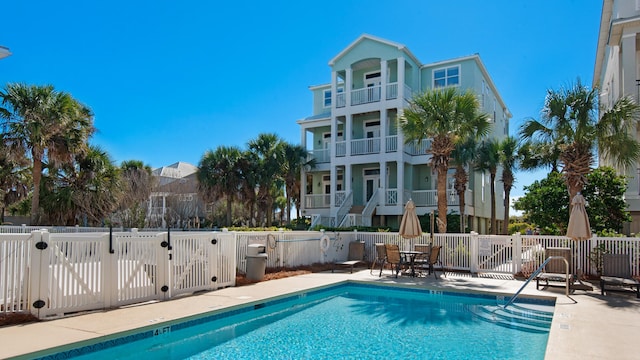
(164,259)
(516,241)
(280,248)
(323,254)
(473,252)
(109,271)
(38,286)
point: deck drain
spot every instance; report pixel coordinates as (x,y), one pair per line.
(564,326)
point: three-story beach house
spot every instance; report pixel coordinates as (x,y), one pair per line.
(364,172)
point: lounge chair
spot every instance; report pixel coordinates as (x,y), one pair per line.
(556,269)
(616,271)
(355,257)
(393,257)
(381,258)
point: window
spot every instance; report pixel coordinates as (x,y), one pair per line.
(327,96)
(446,77)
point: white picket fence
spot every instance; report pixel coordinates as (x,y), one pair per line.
(52,274)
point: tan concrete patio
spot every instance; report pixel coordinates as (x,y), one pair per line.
(585,325)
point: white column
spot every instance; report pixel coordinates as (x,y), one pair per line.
(400,179)
(347,178)
(383,80)
(348,86)
(628,61)
(334,90)
(384,132)
(401,80)
(383,181)
(346,135)
(334,177)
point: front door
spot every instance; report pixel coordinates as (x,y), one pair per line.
(371,183)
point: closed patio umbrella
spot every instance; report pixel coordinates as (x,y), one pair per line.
(579,228)
(410,225)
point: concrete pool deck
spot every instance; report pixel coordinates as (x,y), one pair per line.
(585,325)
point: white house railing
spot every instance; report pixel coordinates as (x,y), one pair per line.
(392,91)
(365,95)
(317,201)
(320,156)
(365,146)
(391,143)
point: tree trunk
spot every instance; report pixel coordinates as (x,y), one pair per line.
(229,219)
(288,208)
(507,207)
(35,201)
(442,199)
(493,204)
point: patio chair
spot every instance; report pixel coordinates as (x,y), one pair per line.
(434,257)
(355,257)
(393,257)
(616,271)
(381,258)
(556,270)
(422,260)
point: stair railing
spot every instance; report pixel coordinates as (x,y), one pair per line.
(535,273)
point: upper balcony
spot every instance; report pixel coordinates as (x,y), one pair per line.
(372,94)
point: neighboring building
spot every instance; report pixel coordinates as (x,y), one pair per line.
(364,173)
(4,52)
(617,74)
(175,201)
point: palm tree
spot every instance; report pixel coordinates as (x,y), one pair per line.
(220,176)
(462,156)
(46,124)
(570,123)
(85,192)
(510,161)
(295,158)
(488,159)
(268,151)
(448,118)
(14,179)
(137,182)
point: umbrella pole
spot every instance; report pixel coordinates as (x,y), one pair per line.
(431,227)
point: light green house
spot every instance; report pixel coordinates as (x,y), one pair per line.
(364,173)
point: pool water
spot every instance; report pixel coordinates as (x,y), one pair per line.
(347,322)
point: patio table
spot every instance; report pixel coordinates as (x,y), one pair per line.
(411,256)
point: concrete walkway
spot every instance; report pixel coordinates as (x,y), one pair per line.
(585,325)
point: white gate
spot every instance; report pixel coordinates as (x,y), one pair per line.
(496,254)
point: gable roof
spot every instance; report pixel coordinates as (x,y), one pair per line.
(177,170)
(364,37)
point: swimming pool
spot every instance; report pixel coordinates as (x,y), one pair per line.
(350,320)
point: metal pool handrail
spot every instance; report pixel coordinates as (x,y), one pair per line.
(566,263)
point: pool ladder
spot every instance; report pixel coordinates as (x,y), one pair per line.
(535,273)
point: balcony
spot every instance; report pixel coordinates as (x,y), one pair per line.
(321,156)
(365,146)
(372,94)
(373,146)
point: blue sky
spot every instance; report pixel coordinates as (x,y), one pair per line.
(168,80)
